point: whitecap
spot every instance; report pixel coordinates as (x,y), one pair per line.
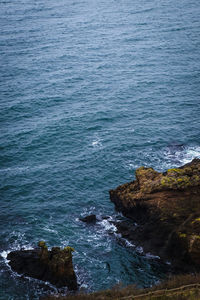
(191,153)
(178,155)
(151,256)
(139,249)
(84,286)
(50,230)
(96,143)
(129,244)
(132,165)
(4,254)
(108,226)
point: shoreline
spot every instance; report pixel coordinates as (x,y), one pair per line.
(162,214)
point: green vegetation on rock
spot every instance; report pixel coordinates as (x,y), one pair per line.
(167,206)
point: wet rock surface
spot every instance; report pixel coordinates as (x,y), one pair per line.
(54,266)
(166,207)
(91,219)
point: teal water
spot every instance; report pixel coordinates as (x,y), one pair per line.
(89,91)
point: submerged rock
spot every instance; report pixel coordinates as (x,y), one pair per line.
(167,208)
(53,265)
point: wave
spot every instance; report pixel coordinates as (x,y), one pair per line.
(173,155)
(25,169)
(191,153)
(108,226)
(181,154)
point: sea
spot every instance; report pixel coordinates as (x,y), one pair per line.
(90,90)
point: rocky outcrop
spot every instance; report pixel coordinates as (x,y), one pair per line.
(53,265)
(91,219)
(166,207)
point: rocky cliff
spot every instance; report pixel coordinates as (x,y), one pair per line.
(166,206)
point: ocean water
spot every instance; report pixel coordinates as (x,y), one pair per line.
(89,91)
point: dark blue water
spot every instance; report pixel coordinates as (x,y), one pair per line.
(89,91)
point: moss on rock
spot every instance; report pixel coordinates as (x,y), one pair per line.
(167,205)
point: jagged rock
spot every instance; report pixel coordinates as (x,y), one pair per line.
(167,208)
(53,265)
(89,219)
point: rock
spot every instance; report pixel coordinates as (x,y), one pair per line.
(53,265)
(89,219)
(105,217)
(126,228)
(167,208)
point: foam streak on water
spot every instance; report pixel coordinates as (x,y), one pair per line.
(89,91)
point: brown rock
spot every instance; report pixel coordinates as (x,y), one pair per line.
(53,265)
(167,207)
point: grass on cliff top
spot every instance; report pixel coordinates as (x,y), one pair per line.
(118,292)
